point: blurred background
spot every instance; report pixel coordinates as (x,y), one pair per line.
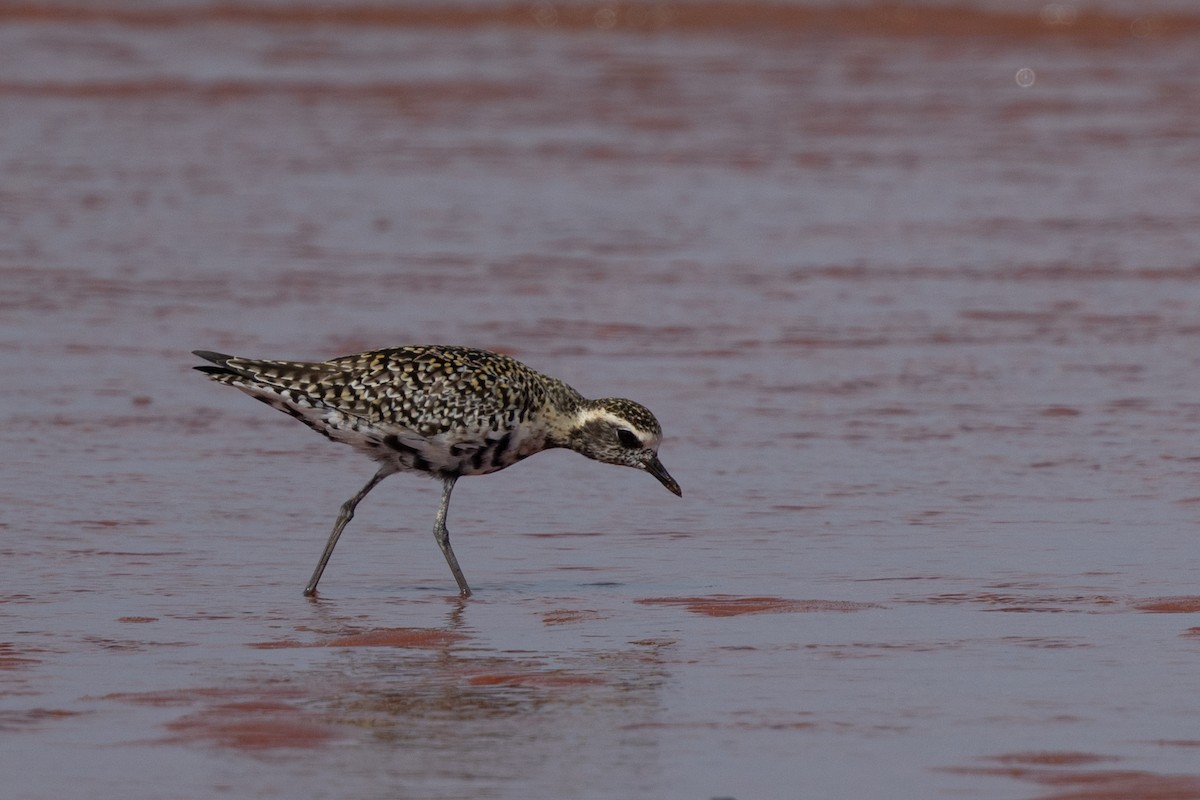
(912,287)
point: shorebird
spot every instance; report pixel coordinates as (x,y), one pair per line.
(445,411)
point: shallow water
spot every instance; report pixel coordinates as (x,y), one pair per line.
(922,340)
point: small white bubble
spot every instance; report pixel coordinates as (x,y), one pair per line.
(1025,77)
(545,15)
(605,18)
(1059,14)
(1145,27)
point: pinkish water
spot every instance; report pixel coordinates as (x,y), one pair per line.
(921,329)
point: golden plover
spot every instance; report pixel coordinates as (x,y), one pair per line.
(445,411)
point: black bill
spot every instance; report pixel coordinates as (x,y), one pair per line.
(655,468)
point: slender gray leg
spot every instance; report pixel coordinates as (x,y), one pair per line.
(344,516)
(443,538)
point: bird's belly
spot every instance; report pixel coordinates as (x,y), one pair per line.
(449,454)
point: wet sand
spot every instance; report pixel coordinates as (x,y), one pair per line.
(912,291)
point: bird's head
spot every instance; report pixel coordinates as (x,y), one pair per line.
(618,431)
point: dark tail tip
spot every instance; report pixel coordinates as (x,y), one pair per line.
(219,359)
(209,355)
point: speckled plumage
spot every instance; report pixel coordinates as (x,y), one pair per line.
(446,411)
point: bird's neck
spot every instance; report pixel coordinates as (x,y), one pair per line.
(563,420)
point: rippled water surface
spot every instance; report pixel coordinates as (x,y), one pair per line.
(914,291)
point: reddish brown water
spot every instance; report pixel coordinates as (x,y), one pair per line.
(923,340)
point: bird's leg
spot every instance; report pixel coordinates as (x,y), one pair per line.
(443,537)
(344,516)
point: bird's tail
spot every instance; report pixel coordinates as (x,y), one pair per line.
(275,375)
(222,372)
(279,384)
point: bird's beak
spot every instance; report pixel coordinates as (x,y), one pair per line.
(655,468)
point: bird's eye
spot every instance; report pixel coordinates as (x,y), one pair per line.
(627,438)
